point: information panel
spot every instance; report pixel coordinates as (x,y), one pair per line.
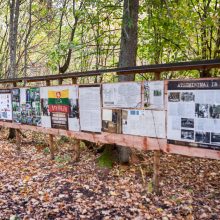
(26,106)
(5,105)
(122,95)
(149,123)
(60,107)
(194,113)
(90,108)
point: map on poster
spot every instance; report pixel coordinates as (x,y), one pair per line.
(122,95)
(59,106)
(90,108)
(154,95)
(5,105)
(150,123)
(194,112)
(26,106)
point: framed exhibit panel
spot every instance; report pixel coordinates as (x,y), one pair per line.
(5,105)
(90,108)
(149,123)
(194,113)
(26,106)
(60,107)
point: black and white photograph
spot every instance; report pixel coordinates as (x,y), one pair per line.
(74,109)
(202,110)
(187,134)
(187,96)
(202,137)
(174,97)
(15,95)
(215,138)
(187,122)
(214,111)
(45,107)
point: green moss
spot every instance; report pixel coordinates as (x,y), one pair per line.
(107,158)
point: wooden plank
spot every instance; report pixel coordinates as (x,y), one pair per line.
(138,142)
(192,65)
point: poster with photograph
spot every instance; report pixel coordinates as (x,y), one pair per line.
(122,95)
(154,95)
(149,123)
(26,106)
(16,110)
(194,112)
(90,108)
(60,108)
(111,120)
(5,105)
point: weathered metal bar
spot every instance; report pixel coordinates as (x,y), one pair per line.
(192,65)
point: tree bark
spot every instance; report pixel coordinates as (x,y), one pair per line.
(13,32)
(128,53)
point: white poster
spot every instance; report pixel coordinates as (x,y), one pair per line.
(90,108)
(149,123)
(122,95)
(59,106)
(5,105)
(194,112)
(154,94)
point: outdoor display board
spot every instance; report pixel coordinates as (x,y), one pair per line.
(122,95)
(150,123)
(90,108)
(194,113)
(26,106)
(5,105)
(59,106)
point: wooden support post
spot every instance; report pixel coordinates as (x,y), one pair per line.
(60,81)
(156,166)
(74,80)
(51,146)
(47,82)
(18,139)
(51,142)
(76,145)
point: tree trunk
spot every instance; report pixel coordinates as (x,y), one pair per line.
(128,52)
(13,32)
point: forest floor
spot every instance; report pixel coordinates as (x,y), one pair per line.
(34,187)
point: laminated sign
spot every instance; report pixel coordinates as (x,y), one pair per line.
(26,106)
(5,105)
(60,107)
(194,113)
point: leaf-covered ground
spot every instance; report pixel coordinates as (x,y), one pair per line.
(34,187)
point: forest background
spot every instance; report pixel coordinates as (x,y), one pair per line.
(41,37)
